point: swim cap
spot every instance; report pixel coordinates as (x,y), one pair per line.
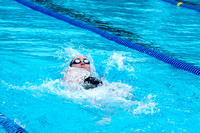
(71,63)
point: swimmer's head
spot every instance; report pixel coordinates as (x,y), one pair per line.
(81,62)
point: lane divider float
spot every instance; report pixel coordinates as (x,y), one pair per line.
(167,59)
(10,126)
(182,4)
(179,3)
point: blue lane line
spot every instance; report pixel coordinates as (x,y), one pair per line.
(167,59)
(182,4)
(10,126)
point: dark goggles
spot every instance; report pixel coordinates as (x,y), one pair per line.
(78,61)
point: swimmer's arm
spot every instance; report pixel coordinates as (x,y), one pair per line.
(102,78)
(69,78)
(66,77)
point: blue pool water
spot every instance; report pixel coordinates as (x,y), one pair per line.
(35,49)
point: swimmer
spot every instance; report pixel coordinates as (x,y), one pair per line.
(80,73)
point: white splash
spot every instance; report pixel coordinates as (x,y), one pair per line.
(111,96)
(117,60)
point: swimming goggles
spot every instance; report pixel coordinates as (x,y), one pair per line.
(78,61)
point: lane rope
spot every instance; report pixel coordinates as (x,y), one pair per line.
(167,59)
(10,126)
(182,4)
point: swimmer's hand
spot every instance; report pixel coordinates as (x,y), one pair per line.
(133,97)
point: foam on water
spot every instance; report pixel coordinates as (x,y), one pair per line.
(110,97)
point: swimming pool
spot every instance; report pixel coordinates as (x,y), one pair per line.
(36,48)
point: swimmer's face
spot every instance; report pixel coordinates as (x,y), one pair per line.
(81,62)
